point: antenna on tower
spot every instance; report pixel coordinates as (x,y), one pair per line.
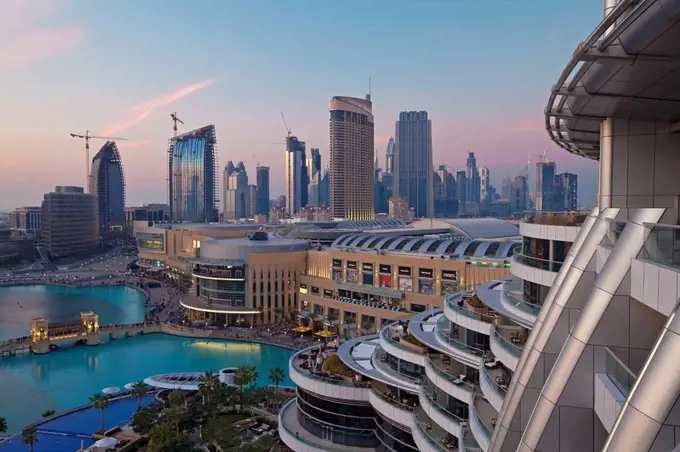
(368,96)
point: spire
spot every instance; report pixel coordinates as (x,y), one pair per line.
(376,158)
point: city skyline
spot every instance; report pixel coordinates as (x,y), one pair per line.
(62,40)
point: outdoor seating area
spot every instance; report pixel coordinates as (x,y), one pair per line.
(369,303)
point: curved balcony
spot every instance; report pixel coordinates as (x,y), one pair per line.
(459,350)
(539,271)
(562,226)
(218,275)
(444,418)
(461,312)
(494,383)
(482,420)
(298,438)
(507,343)
(518,307)
(400,347)
(429,436)
(445,373)
(390,406)
(325,384)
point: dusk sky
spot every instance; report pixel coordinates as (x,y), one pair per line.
(481,68)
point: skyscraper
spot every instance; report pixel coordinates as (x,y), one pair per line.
(388,176)
(236,194)
(445,201)
(545,185)
(506,188)
(520,193)
(252,201)
(262,190)
(314,177)
(389,156)
(472,179)
(566,192)
(484,188)
(296,175)
(325,189)
(107,183)
(413,162)
(192,169)
(351,158)
(461,188)
(69,223)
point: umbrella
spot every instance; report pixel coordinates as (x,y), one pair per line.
(130,385)
(111,390)
(106,442)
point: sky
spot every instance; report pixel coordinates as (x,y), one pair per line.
(481,68)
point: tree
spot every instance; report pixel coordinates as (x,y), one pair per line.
(176,415)
(177,398)
(145,419)
(48,413)
(222,434)
(252,376)
(139,389)
(3,425)
(101,403)
(208,385)
(241,377)
(310,318)
(30,437)
(276,375)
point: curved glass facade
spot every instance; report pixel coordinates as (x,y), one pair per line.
(107,183)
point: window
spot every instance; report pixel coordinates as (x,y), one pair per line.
(492,249)
(472,247)
(433,246)
(452,247)
(416,246)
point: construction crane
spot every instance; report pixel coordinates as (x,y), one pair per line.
(87,138)
(175,120)
(286,124)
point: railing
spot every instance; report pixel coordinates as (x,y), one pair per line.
(662,245)
(440,408)
(468,313)
(569,218)
(507,345)
(444,373)
(320,376)
(224,274)
(622,377)
(444,334)
(520,303)
(392,401)
(492,382)
(397,343)
(487,430)
(370,304)
(535,262)
(299,437)
(422,426)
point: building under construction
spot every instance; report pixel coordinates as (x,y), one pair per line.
(192,184)
(107,183)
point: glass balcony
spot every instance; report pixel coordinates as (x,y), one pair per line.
(497,378)
(574,218)
(517,300)
(461,306)
(450,369)
(535,262)
(395,397)
(304,365)
(511,338)
(662,245)
(438,438)
(444,333)
(622,377)
(484,415)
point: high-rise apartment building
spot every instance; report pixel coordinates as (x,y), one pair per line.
(314,178)
(472,179)
(235,192)
(107,183)
(445,201)
(26,220)
(296,175)
(520,194)
(389,156)
(192,172)
(413,162)
(485,192)
(566,192)
(461,188)
(325,189)
(545,185)
(351,158)
(506,188)
(151,213)
(252,201)
(69,224)
(262,190)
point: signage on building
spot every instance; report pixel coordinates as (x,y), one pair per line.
(352,265)
(383,268)
(450,275)
(327,293)
(404,271)
(367,267)
(425,272)
(337,263)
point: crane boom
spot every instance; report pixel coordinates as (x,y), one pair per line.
(175,120)
(286,124)
(87,138)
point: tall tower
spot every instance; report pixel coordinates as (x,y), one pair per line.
(236,194)
(389,157)
(351,158)
(296,176)
(472,178)
(107,183)
(314,177)
(545,184)
(192,168)
(484,186)
(262,190)
(413,162)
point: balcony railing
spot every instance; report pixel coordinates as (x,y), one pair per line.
(662,245)
(432,433)
(486,429)
(383,392)
(492,382)
(444,333)
(573,218)
(535,262)
(520,303)
(438,407)
(622,377)
(446,373)
(467,312)
(507,344)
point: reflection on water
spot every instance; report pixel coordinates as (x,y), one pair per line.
(225,346)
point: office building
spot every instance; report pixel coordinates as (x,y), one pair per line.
(506,188)
(325,189)
(26,220)
(192,173)
(107,183)
(566,192)
(461,188)
(389,156)
(545,185)
(296,175)
(252,201)
(69,223)
(262,183)
(314,178)
(351,158)
(413,162)
(485,189)
(236,194)
(520,195)
(472,180)
(445,200)
(151,213)
(379,193)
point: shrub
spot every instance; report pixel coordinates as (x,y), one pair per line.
(333,365)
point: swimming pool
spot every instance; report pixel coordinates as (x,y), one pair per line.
(20,304)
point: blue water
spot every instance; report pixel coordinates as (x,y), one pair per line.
(67,432)
(66,378)
(20,304)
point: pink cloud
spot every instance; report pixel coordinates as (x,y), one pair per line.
(16,14)
(382,139)
(37,45)
(143,110)
(133,144)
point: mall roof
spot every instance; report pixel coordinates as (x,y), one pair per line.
(473,228)
(426,246)
(628,68)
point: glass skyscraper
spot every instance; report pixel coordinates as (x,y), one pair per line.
(192,163)
(107,183)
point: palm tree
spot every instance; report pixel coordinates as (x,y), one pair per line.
(139,389)
(241,377)
(252,376)
(209,383)
(310,318)
(276,375)
(100,403)
(48,413)
(177,398)
(176,414)
(30,437)
(3,425)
